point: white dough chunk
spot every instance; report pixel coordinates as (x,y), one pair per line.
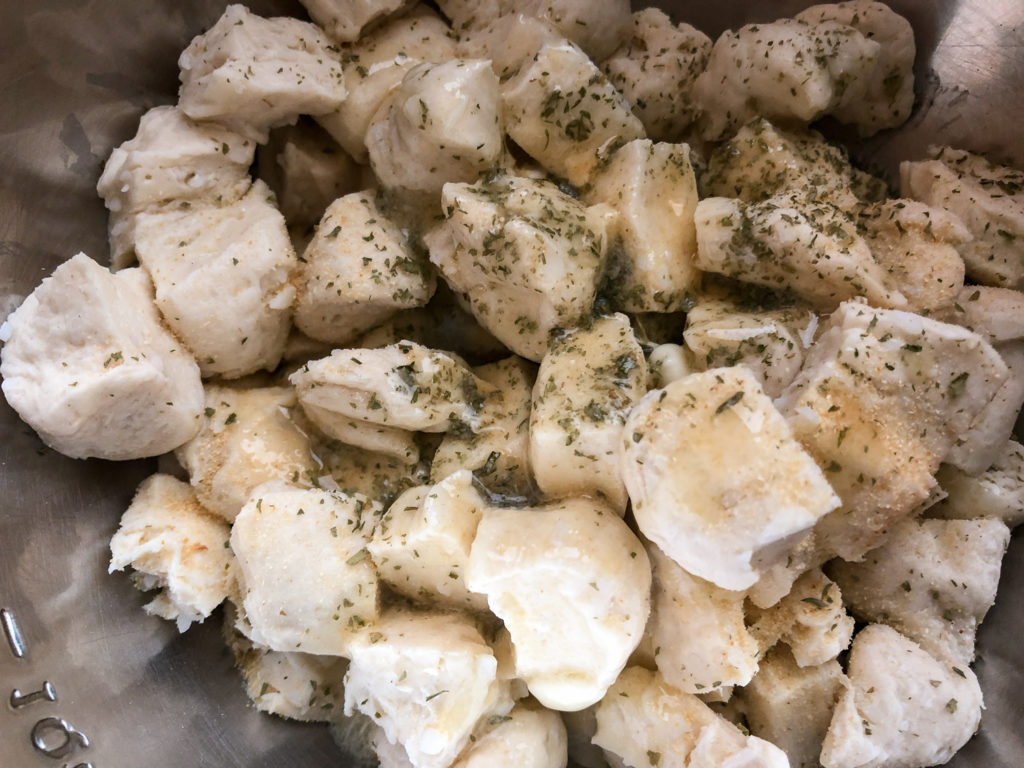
(357,271)
(769,342)
(644,722)
(901,707)
(882,97)
(575,560)
(933,580)
(981,445)
(717,480)
(442,124)
(307,581)
(252,74)
(404,386)
(792,242)
(88,364)
(668,362)
(176,546)
(170,159)
(786,71)
(421,545)
(880,401)
(698,632)
(988,198)
(248,438)
(655,68)
(791,706)
(561,109)
(763,160)
(526,257)
(998,492)
(587,384)
(427,680)
(527,737)
(298,686)
(345,20)
(222,276)
(307,171)
(498,452)
(509,42)
(375,65)
(654,189)
(996,314)
(812,620)
(916,245)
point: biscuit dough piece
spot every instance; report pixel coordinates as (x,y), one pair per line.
(998,492)
(357,271)
(248,438)
(252,74)
(306,578)
(526,257)
(576,560)
(88,364)
(222,274)
(587,384)
(427,679)
(901,707)
(717,479)
(345,20)
(176,546)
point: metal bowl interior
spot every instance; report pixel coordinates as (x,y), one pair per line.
(77,75)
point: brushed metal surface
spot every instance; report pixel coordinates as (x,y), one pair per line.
(77,74)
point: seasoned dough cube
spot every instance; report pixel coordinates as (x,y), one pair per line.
(653,188)
(668,362)
(299,686)
(791,706)
(252,74)
(880,401)
(427,680)
(575,560)
(644,722)
(717,480)
(933,580)
(306,578)
(248,438)
(995,314)
(787,70)
(375,65)
(176,546)
(792,242)
(221,274)
(357,271)
(763,160)
(881,97)
(811,620)
(978,447)
(697,629)
(87,364)
(901,707)
(345,20)
(508,42)
(655,69)
(404,386)
(498,452)
(527,737)
(587,384)
(399,444)
(997,492)
(561,109)
(441,125)
(307,171)
(421,544)
(769,342)
(988,198)
(526,257)
(917,246)
(170,158)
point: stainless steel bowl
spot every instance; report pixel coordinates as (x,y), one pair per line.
(94,669)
